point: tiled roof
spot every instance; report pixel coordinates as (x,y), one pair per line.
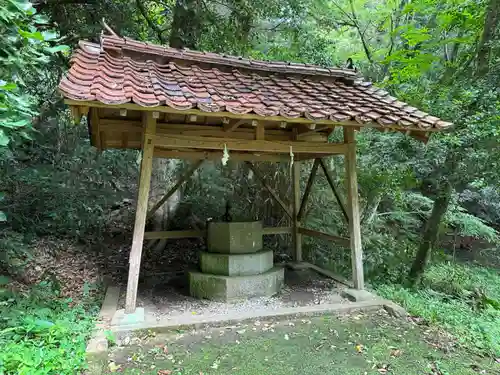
(121,70)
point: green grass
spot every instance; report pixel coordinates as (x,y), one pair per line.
(359,344)
(462,299)
(42,334)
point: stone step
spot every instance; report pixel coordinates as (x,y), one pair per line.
(236,264)
(228,288)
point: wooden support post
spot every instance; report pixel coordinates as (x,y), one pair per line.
(353,209)
(329,178)
(149,124)
(296,236)
(308,189)
(184,177)
(269,189)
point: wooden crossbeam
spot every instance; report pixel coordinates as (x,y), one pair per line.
(217,155)
(195,233)
(325,236)
(184,177)
(229,115)
(303,133)
(329,178)
(175,141)
(308,189)
(269,189)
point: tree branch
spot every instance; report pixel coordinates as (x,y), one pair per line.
(152,25)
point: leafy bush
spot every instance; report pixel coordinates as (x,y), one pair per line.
(462,299)
(40,334)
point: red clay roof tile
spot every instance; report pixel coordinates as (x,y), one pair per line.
(122,70)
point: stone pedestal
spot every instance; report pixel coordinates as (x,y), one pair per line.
(235,266)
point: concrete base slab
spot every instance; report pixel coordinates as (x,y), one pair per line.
(123,319)
(199,322)
(236,264)
(97,346)
(358,295)
(229,288)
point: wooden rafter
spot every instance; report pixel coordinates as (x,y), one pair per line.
(308,189)
(335,191)
(276,197)
(171,192)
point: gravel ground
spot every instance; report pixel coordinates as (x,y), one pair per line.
(166,296)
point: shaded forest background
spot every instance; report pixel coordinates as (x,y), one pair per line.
(438,200)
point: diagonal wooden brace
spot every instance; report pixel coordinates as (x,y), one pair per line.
(334,189)
(308,189)
(183,179)
(271,191)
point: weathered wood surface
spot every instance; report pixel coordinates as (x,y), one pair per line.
(353,210)
(141,211)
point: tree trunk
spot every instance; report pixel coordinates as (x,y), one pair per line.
(371,208)
(430,235)
(186,24)
(491,21)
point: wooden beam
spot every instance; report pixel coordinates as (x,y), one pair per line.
(276,230)
(217,155)
(353,210)
(271,191)
(116,125)
(194,233)
(176,234)
(308,189)
(324,236)
(329,178)
(297,238)
(140,215)
(246,116)
(171,192)
(304,133)
(175,141)
(260,132)
(229,127)
(95,128)
(328,273)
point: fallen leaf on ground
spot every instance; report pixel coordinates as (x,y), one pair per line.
(384,369)
(164,372)
(396,352)
(113,367)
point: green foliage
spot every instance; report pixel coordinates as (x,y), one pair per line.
(41,334)
(66,188)
(463,299)
(25,50)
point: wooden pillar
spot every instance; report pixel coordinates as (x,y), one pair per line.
(296,236)
(353,209)
(149,125)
